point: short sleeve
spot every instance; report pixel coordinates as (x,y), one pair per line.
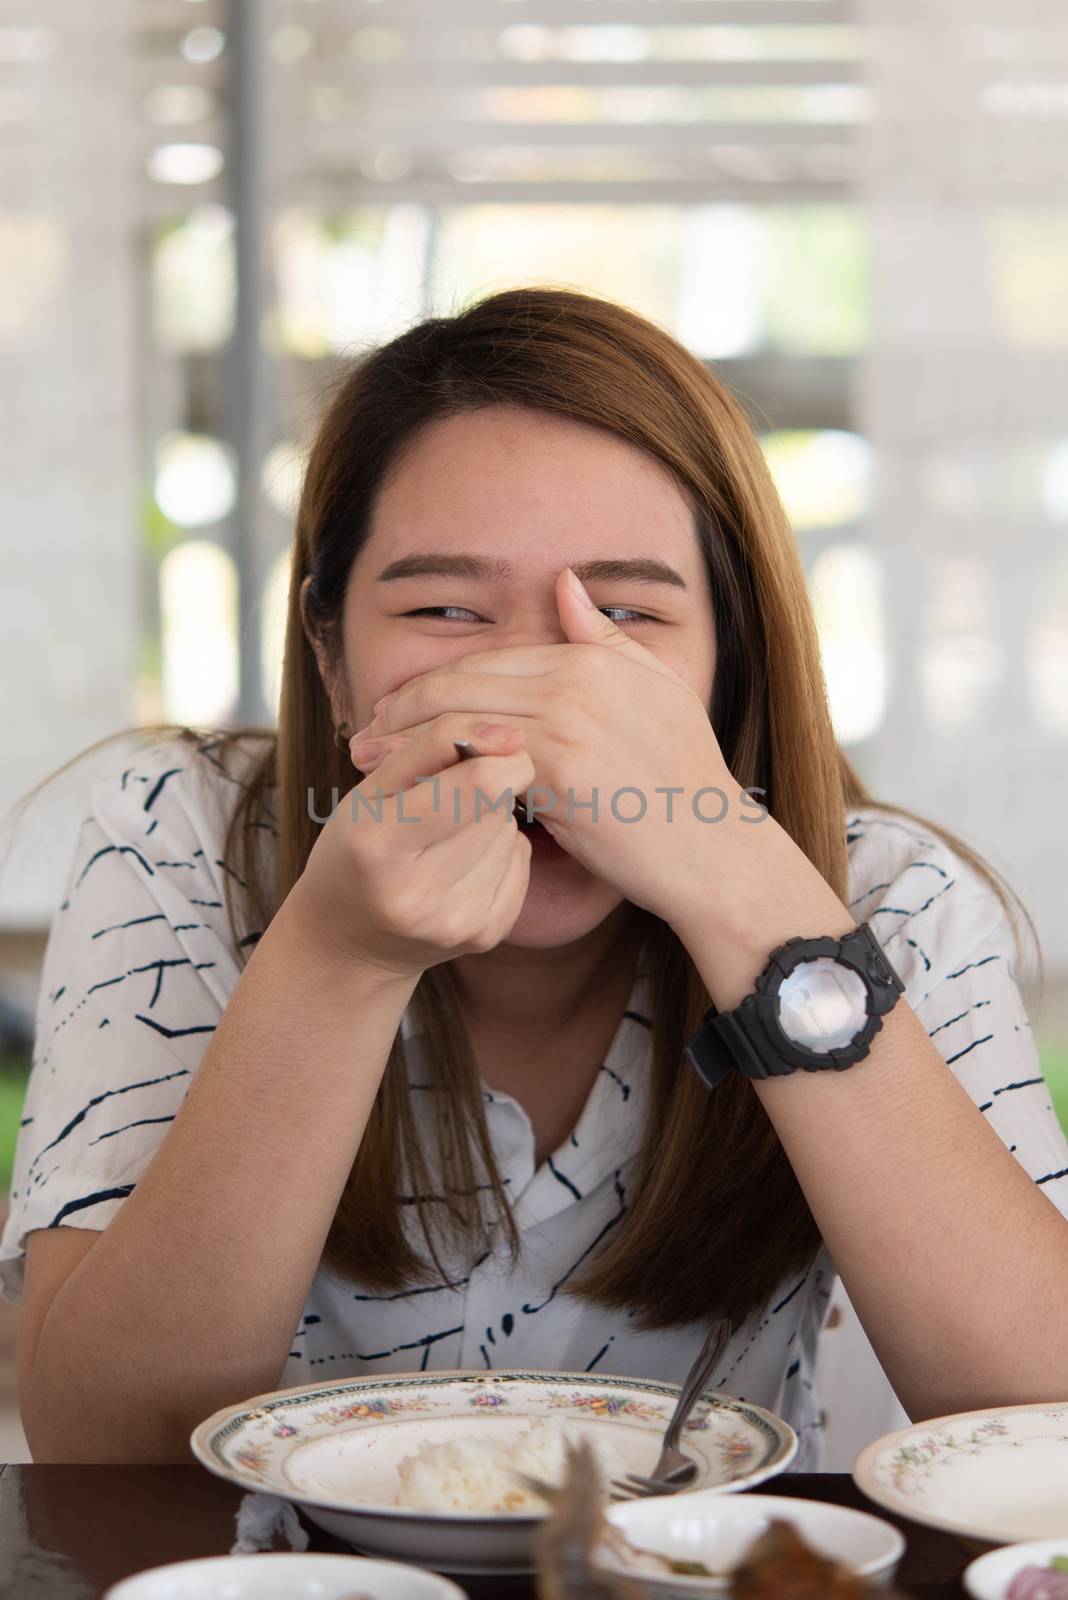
(951,942)
(138,967)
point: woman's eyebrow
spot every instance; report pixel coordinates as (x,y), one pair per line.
(608,569)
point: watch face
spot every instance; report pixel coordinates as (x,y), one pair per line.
(822,1004)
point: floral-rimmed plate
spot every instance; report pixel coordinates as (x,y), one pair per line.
(333,1449)
(991,1477)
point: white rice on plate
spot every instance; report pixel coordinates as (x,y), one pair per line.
(475,1473)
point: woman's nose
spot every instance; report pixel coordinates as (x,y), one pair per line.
(529,631)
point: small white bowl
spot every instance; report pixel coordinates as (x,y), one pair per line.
(284,1575)
(717,1529)
(988,1577)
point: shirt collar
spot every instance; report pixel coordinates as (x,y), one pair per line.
(609,1129)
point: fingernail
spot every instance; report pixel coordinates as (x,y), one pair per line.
(386,698)
(366,749)
(491,730)
(361,733)
(578,590)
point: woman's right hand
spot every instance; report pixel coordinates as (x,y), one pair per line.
(403,893)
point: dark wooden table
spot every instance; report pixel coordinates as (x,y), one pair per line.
(72,1531)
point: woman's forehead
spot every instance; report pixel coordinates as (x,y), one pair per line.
(529,490)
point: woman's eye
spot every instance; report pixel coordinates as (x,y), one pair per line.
(437,611)
(450,613)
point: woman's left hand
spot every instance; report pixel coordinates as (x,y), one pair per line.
(603,719)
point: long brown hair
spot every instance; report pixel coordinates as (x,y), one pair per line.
(715,1219)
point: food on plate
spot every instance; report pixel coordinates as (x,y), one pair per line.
(565,1542)
(1041,1583)
(781,1565)
(778,1565)
(476,1473)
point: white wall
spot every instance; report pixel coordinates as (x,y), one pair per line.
(69,551)
(859,1404)
(964,396)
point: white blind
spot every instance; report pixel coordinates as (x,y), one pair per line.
(513,100)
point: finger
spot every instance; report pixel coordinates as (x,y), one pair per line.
(367,753)
(511,889)
(463,684)
(585,624)
(436,741)
(433,694)
(466,864)
(522,661)
(480,788)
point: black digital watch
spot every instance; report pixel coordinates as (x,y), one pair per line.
(816,1019)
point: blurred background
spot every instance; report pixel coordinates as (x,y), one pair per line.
(855,212)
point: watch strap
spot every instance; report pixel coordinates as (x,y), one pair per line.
(719,1044)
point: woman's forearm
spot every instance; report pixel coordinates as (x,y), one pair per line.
(189,1299)
(956,1263)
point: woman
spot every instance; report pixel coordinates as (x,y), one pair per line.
(323,1089)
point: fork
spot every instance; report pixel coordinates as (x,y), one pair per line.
(673,1470)
(467,752)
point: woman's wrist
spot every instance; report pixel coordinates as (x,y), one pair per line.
(297,923)
(754,895)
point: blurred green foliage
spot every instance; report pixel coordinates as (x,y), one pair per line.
(14,1070)
(1053,1055)
(158,533)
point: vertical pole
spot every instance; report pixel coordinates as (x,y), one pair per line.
(246,364)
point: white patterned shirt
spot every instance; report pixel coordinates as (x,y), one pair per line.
(140,964)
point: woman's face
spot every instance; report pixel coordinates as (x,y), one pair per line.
(531,493)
